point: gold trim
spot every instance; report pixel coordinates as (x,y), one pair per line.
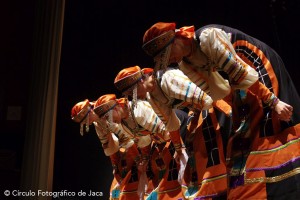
(104,108)
(273,179)
(157,44)
(275,149)
(128,81)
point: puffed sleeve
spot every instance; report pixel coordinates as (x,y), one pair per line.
(211,82)
(148,119)
(164,111)
(109,141)
(216,44)
(177,85)
(124,139)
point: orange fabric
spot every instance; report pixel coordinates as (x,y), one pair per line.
(157,29)
(264,59)
(122,101)
(211,180)
(186,32)
(274,147)
(161,27)
(165,187)
(104,99)
(127,72)
(114,158)
(261,91)
(131,70)
(222,106)
(175,137)
(147,70)
(78,107)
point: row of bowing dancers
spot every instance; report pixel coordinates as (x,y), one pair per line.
(216,117)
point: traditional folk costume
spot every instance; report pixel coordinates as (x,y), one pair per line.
(165,171)
(205,175)
(203,141)
(120,149)
(126,160)
(241,57)
(263,154)
(175,90)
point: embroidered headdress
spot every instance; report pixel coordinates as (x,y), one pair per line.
(156,43)
(104,105)
(80,114)
(128,78)
(158,38)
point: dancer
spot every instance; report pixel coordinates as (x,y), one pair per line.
(114,147)
(138,120)
(172,89)
(255,72)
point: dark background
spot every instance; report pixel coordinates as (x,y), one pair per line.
(99,39)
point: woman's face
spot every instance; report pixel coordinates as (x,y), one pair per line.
(141,90)
(117,115)
(177,52)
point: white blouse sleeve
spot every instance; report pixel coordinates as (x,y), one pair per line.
(147,118)
(177,85)
(216,44)
(109,141)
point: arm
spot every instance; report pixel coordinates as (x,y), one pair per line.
(124,140)
(109,141)
(216,44)
(283,110)
(169,118)
(148,119)
(177,85)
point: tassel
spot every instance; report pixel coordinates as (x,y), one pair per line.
(87,124)
(142,187)
(110,116)
(81,129)
(183,162)
(134,96)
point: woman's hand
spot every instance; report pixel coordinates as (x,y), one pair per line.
(284,111)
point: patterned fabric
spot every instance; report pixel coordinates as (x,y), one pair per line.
(165,173)
(217,46)
(128,77)
(124,81)
(126,175)
(264,155)
(147,118)
(80,114)
(80,110)
(109,141)
(205,175)
(220,56)
(143,121)
(177,85)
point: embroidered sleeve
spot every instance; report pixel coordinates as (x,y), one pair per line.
(165,113)
(264,94)
(147,118)
(124,140)
(216,44)
(109,141)
(178,86)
